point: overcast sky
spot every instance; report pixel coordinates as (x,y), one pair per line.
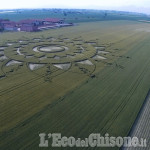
(129,5)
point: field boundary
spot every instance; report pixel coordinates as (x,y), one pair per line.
(138,117)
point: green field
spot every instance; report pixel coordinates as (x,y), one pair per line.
(101,98)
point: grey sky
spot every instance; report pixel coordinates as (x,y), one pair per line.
(129,5)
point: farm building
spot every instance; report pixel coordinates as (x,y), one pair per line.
(7,22)
(39,22)
(29,28)
(10,28)
(65,24)
(32,25)
(34,22)
(8,25)
(48,26)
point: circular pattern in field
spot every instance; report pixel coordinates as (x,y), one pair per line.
(51,49)
(51,54)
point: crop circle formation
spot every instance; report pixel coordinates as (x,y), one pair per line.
(60,53)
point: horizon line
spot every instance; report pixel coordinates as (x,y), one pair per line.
(75,9)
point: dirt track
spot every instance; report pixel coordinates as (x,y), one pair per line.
(141,127)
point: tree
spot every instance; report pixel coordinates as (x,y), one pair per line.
(105,15)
